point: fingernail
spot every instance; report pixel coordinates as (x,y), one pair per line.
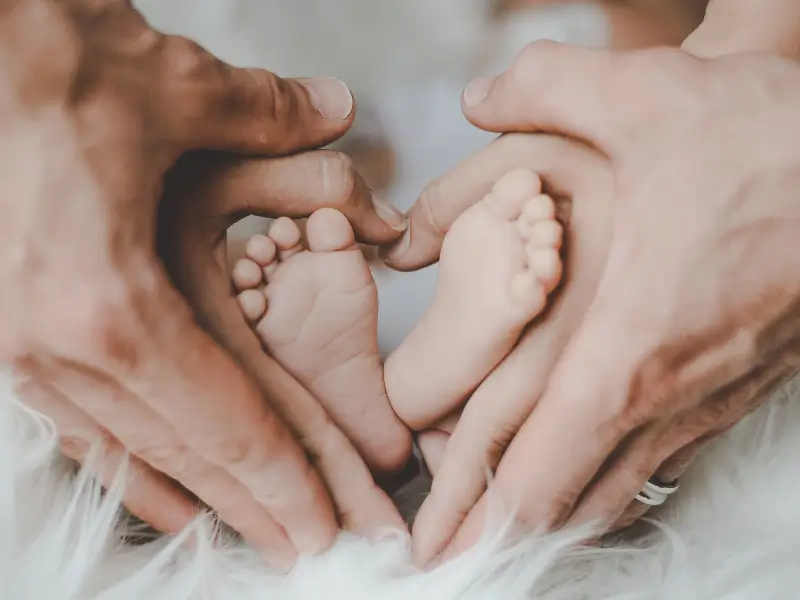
(330,96)
(281,563)
(397,251)
(389,214)
(477,90)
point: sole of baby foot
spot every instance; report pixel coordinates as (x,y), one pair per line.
(315,308)
(499,262)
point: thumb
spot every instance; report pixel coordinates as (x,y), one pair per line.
(230,186)
(549,87)
(565,166)
(208,104)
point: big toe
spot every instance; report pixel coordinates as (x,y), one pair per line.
(512,191)
(328,230)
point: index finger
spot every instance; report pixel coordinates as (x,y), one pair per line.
(443,201)
(184,377)
(575,427)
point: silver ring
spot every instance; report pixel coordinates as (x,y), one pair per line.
(655,492)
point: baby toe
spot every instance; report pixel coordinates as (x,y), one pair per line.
(286,235)
(261,250)
(512,191)
(328,230)
(545,264)
(545,234)
(253,304)
(246,274)
(539,208)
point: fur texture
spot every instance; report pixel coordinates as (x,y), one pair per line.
(732,533)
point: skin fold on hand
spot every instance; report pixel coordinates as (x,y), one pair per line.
(97,109)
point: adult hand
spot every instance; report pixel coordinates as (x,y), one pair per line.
(204,195)
(97,108)
(695,319)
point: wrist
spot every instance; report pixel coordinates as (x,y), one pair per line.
(732,26)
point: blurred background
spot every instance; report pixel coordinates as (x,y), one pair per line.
(407,62)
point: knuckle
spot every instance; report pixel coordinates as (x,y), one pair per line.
(186,59)
(145,41)
(527,66)
(282,101)
(173,460)
(663,78)
(651,387)
(530,57)
(331,446)
(232,451)
(547,518)
(338,177)
(74,447)
(428,209)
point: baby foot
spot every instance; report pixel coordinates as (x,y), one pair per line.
(499,262)
(315,310)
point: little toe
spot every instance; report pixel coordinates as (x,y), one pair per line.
(539,208)
(544,234)
(328,230)
(246,275)
(253,304)
(512,191)
(286,235)
(545,264)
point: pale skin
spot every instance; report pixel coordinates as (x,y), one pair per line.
(110,323)
(113,255)
(693,320)
(314,306)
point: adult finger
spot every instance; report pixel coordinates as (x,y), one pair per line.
(672,469)
(508,395)
(443,201)
(361,505)
(551,87)
(159,354)
(208,104)
(582,414)
(293,186)
(650,452)
(148,494)
(157,443)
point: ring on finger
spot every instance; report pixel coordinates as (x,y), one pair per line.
(656,492)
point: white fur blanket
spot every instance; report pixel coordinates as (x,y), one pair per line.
(733,533)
